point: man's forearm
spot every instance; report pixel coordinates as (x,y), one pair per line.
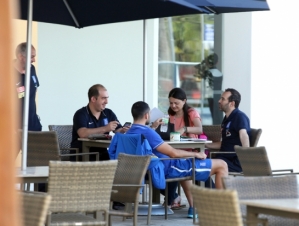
(214,145)
(85,132)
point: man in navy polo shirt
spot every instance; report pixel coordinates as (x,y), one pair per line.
(235,129)
(95,118)
(20,64)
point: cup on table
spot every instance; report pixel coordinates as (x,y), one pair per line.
(175,136)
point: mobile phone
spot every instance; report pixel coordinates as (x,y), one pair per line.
(127,124)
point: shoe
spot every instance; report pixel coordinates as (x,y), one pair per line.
(117,205)
(190,213)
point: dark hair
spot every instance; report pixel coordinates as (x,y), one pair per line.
(94,91)
(235,96)
(139,109)
(180,94)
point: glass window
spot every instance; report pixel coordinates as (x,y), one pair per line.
(185,42)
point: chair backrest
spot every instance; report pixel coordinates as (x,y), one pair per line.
(130,170)
(131,144)
(34,208)
(255,136)
(42,147)
(213,132)
(263,187)
(266,187)
(254,161)
(64,134)
(216,207)
(80,186)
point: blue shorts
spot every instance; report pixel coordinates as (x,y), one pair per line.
(183,168)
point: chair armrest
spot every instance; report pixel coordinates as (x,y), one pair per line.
(193,166)
(220,152)
(283,170)
(65,149)
(128,185)
(283,174)
(235,174)
(79,154)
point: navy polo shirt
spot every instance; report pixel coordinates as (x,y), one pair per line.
(84,118)
(33,120)
(230,128)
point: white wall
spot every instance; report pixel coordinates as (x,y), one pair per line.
(71,60)
(259,57)
(233,44)
(274,81)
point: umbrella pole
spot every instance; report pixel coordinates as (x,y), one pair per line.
(27,87)
(144,60)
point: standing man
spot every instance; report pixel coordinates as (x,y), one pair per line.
(20,64)
(95,118)
(235,129)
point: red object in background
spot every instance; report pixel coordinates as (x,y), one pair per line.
(196,94)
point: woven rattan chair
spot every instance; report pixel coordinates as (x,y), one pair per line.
(265,188)
(34,208)
(64,134)
(79,187)
(255,162)
(128,180)
(132,150)
(43,147)
(213,133)
(218,207)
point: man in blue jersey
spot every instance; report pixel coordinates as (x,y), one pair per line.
(235,129)
(177,167)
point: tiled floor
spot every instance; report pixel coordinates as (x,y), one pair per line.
(179,217)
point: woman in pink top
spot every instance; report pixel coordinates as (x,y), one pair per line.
(186,119)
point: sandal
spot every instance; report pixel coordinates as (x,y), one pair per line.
(177,206)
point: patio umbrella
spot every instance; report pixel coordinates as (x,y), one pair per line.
(82,13)
(231,6)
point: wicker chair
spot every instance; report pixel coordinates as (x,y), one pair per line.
(43,147)
(213,133)
(64,134)
(34,208)
(78,187)
(265,188)
(218,207)
(132,150)
(128,180)
(255,162)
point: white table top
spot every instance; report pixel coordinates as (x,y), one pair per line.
(36,171)
(290,205)
(169,142)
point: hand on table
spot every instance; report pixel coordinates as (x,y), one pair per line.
(200,155)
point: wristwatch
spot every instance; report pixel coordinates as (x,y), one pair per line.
(185,129)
